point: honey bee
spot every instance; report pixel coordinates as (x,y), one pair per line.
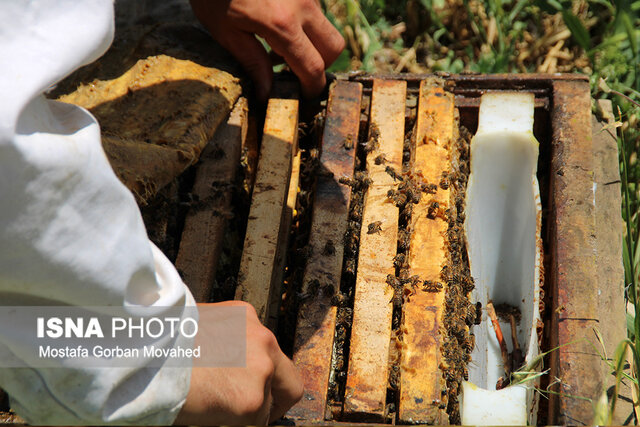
(409,187)
(329,248)
(404,239)
(392,173)
(470,314)
(444,272)
(478,313)
(351,241)
(455,279)
(458,330)
(468,284)
(397,287)
(339,299)
(406,156)
(429,188)
(355,215)
(469,342)
(448,213)
(357,163)
(312,290)
(380,159)
(348,142)
(413,281)
(374,135)
(450,374)
(399,260)
(406,212)
(310,167)
(398,198)
(374,227)
(397,300)
(374,131)
(444,181)
(347,181)
(432,210)
(350,266)
(431,286)
(393,281)
(450,302)
(352,230)
(363,179)
(439,403)
(318,120)
(412,195)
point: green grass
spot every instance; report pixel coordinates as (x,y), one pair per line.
(600,38)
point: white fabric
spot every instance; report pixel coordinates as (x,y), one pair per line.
(70,232)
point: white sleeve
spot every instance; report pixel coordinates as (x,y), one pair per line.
(70,232)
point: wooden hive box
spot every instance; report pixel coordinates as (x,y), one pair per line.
(329,252)
(372,353)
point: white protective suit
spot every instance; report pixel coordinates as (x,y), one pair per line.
(70,232)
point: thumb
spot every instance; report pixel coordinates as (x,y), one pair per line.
(253,58)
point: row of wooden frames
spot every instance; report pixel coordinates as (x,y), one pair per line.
(273,202)
(421,380)
(575,151)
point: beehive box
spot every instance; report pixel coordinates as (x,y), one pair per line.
(372,312)
(348,271)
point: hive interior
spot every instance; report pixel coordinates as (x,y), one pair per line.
(461,312)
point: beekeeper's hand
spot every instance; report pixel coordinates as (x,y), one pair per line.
(259,393)
(296,30)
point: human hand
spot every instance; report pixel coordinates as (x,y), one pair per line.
(259,393)
(295,29)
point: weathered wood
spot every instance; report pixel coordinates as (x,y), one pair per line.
(313,346)
(575,368)
(421,379)
(609,226)
(250,153)
(367,377)
(255,280)
(283,243)
(206,220)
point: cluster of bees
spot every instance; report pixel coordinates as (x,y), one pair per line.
(343,299)
(459,313)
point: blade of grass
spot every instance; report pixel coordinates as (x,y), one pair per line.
(577,28)
(629,237)
(516,10)
(628,26)
(602,412)
(620,359)
(613,40)
(609,363)
(626,261)
(477,27)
